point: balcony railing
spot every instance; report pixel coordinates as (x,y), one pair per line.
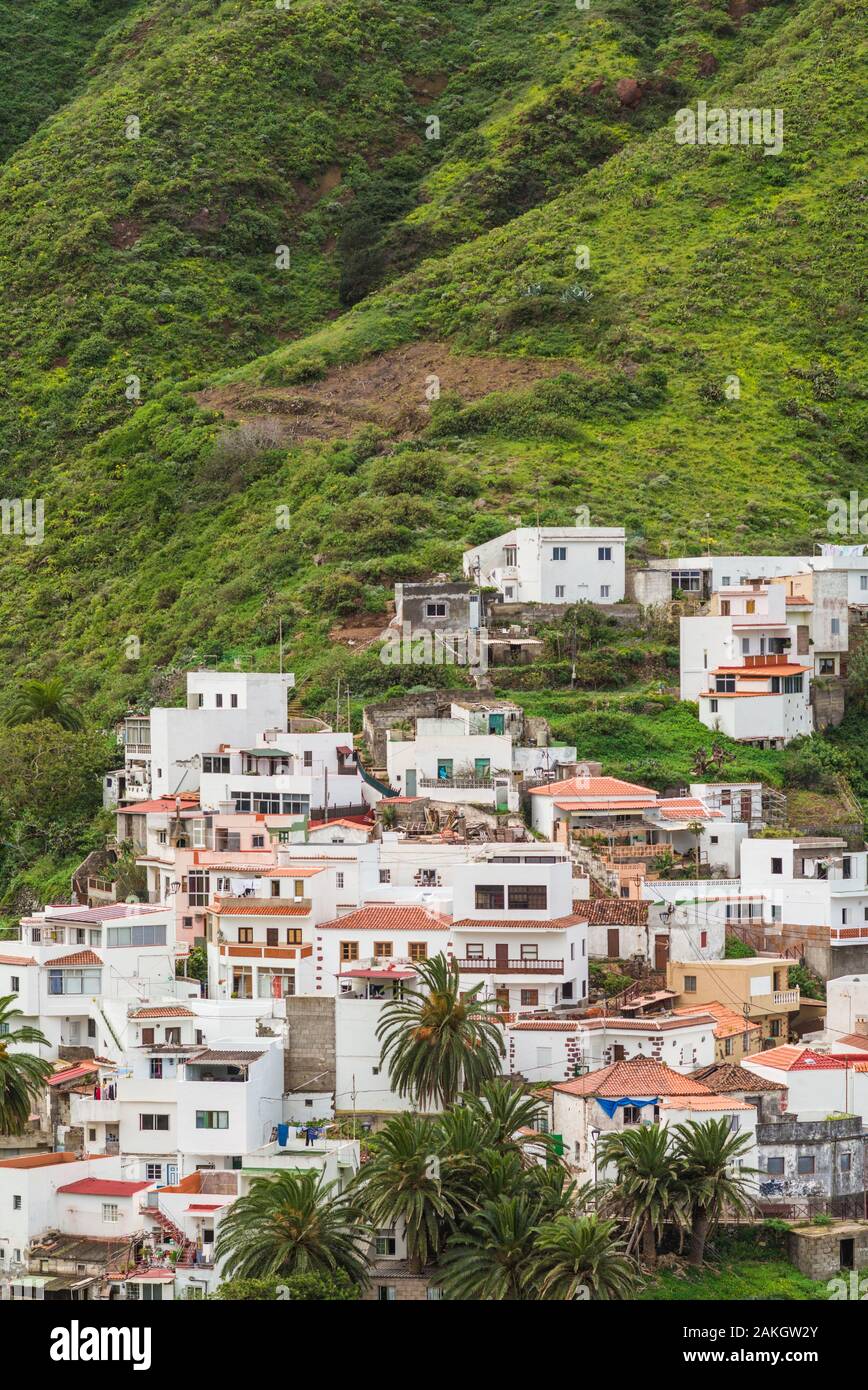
(479,783)
(842,936)
(784,998)
(484,965)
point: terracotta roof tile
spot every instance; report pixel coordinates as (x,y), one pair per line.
(593,786)
(722,1077)
(164,1011)
(615,912)
(387,917)
(105,1187)
(77,958)
(639,1077)
(525,923)
(257,907)
(715,1102)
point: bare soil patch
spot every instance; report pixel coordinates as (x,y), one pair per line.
(388,390)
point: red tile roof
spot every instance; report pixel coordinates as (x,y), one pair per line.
(258,907)
(647,1025)
(165,804)
(614,912)
(715,1102)
(639,1077)
(543,1025)
(792,1057)
(17,960)
(729,1021)
(73,1073)
(387,917)
(525,924)
(40,1160)
(593,786)
(163,1011)
(721,1077)
(77,958)
(785,668)
(686,808)
(99,1187)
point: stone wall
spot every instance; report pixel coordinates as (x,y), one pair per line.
(816,1251)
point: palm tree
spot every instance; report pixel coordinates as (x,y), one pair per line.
(293,1223)
(506,1113)
(491,1257)
(578,1256)
(440,1040)
(403,1183)
(647,1188)
(22,1076)
(697,830)
(706,1155)
(36,700)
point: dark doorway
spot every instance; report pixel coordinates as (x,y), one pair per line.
(848,1253)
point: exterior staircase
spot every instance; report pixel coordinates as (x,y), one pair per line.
(187,1248)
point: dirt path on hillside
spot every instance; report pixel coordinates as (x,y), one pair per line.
(390,390)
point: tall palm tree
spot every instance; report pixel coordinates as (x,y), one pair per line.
(293,1223)
(22,1076)
(506,1113)
(648,1188)
(706,1155)
(403,1182)
(578,1256)
(36,700)
(492,1256)
(440,1040)
(697,830)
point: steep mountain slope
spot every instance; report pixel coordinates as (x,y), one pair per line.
(155,258)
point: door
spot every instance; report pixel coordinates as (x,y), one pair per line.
(410,782)
(661,952)
(848,1253)
(613,943)
(501,954)
(495,723)
(746,805)
(272,936)
(502,998)
(171,1174)
(75,1033)
(501,797)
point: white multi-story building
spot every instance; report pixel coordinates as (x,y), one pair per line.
(559,1049)
(73,968)
(810,881)
(163,750)
(552,564)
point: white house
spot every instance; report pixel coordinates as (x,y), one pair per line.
(636,1092)
(163,750)
(810,881)
(32,1196)
(552,564)
(560,1049)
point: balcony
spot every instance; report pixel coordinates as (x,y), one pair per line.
(845,936)
(255,951)
(483,965)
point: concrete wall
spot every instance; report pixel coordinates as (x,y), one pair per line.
(824,1141)
(309,1059)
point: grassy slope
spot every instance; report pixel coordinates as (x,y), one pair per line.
(47,49)
(156,257)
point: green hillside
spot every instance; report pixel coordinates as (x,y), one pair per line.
(222,333)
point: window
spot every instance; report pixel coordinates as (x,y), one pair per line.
(154,1122)
(149,936)
(385,1293)
(418,950)
(339,880)
(349,950)
(604,552)
(385,875)
(15,983)
(444,769)
(385,1243)
(110,1211)
(632,1114)
(475,951)
(212,1119)
(529,951)
(604,591)
(532,896)
(435,610)
(245,935)
(846,868)
(275,887)
(805,1163)
(156,1069)
(775,1028)
(233,701)
(775,1166)
(510,555)
(488,896)
(777,866)
(846,1162)
(173,1036)
(433,1295)
(559,552)
(836,626)
(382,948)
(147,1037)
(257,842)
(725,582)
(76,981)
(689,984)
(725,685)
(703,940)
(154,1172)
(16,1202)
(560,590)
(218,700)
(293,936)
(212,764)
(714,706)
(529,998)
(727,1047)
(307,759)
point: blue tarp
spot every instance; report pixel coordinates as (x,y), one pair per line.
(610,1106)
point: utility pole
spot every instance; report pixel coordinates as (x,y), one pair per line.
(353,1098)
(280,638)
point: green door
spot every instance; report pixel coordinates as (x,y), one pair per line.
(495,723)
(410,779)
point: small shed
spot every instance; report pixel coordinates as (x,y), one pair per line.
(821,1252)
